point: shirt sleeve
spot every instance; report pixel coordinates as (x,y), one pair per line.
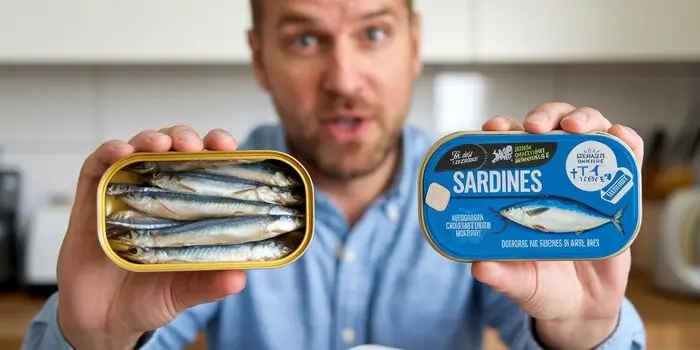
(629,333)
(182,330)
(44,331)
(516,329)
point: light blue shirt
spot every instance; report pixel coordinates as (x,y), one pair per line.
(378,282)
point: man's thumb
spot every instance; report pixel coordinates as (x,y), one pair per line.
(517,280)
(193,288)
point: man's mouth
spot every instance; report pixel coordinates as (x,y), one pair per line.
(346,127)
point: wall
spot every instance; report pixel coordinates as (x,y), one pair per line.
(52,117)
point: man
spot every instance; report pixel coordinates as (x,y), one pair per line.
(340,75)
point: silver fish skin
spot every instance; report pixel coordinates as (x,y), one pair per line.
(203,183)
(118,189)
(271,249)
(226,231)
(136,220)
(264,173)
(147,167)
(180,206)
(273,195)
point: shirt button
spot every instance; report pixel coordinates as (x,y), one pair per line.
(349,256)
(346,255)
(392,212)
(348,336)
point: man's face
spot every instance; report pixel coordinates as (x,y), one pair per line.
(340,73)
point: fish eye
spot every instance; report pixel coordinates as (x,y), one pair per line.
(134,250)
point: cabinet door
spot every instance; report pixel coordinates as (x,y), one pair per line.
(123,31)
(446,27)
(590,30)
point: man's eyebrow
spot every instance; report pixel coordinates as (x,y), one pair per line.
(299,18)
(378,13)
(293,18)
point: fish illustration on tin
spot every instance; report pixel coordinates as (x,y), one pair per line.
(554,214)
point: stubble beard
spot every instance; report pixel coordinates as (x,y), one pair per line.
(346,161)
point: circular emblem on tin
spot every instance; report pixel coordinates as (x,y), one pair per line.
(590,166)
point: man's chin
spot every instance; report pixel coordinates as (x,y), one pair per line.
(346,173)
(349,165)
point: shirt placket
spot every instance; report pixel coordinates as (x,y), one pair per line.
(355,278)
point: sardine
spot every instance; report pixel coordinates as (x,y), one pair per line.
(559,215)
(181,206)
(264,173)
(118,189)
(139,221)
(148,167)
(226,231)
(270,249)
(202,183)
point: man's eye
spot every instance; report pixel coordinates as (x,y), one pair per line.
(306,40)
(375,34)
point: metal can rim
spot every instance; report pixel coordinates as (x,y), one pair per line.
(444,139)
(206,155)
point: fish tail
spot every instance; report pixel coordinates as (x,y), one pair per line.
(617,218)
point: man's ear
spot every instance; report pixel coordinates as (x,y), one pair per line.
(256,59)
(416,40)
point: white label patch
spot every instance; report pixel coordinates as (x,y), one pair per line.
(438,197)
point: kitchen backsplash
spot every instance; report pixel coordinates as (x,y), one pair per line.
(52,117)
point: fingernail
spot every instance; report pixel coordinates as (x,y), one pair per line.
(186,136)
(537,118)
(155,137)
(578,117)
(121,145)
(220,134)
(629,130)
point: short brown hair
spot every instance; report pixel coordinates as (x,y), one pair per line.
(256,12)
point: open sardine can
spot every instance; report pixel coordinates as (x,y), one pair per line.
(516,196)
(208,210)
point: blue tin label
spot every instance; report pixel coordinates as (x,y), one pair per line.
(519,196)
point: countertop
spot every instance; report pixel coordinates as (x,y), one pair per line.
(672,323)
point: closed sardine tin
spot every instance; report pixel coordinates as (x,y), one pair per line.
(499,196)
(260,189)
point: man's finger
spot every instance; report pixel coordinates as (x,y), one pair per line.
(220,140)
(502,123)
(102,158)
(517,280)
(151,141)
(546,117)
(92,171)
(631,138)
(185,139)
(585,120)
(194,288)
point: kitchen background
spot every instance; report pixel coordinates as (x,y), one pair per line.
(76,73)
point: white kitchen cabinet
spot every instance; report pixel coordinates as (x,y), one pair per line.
(586,31)
(176,31)
(447,30)
(123,31)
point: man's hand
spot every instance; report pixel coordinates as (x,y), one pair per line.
(576,304)
(102,306)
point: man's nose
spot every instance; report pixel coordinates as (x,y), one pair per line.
(341,74)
